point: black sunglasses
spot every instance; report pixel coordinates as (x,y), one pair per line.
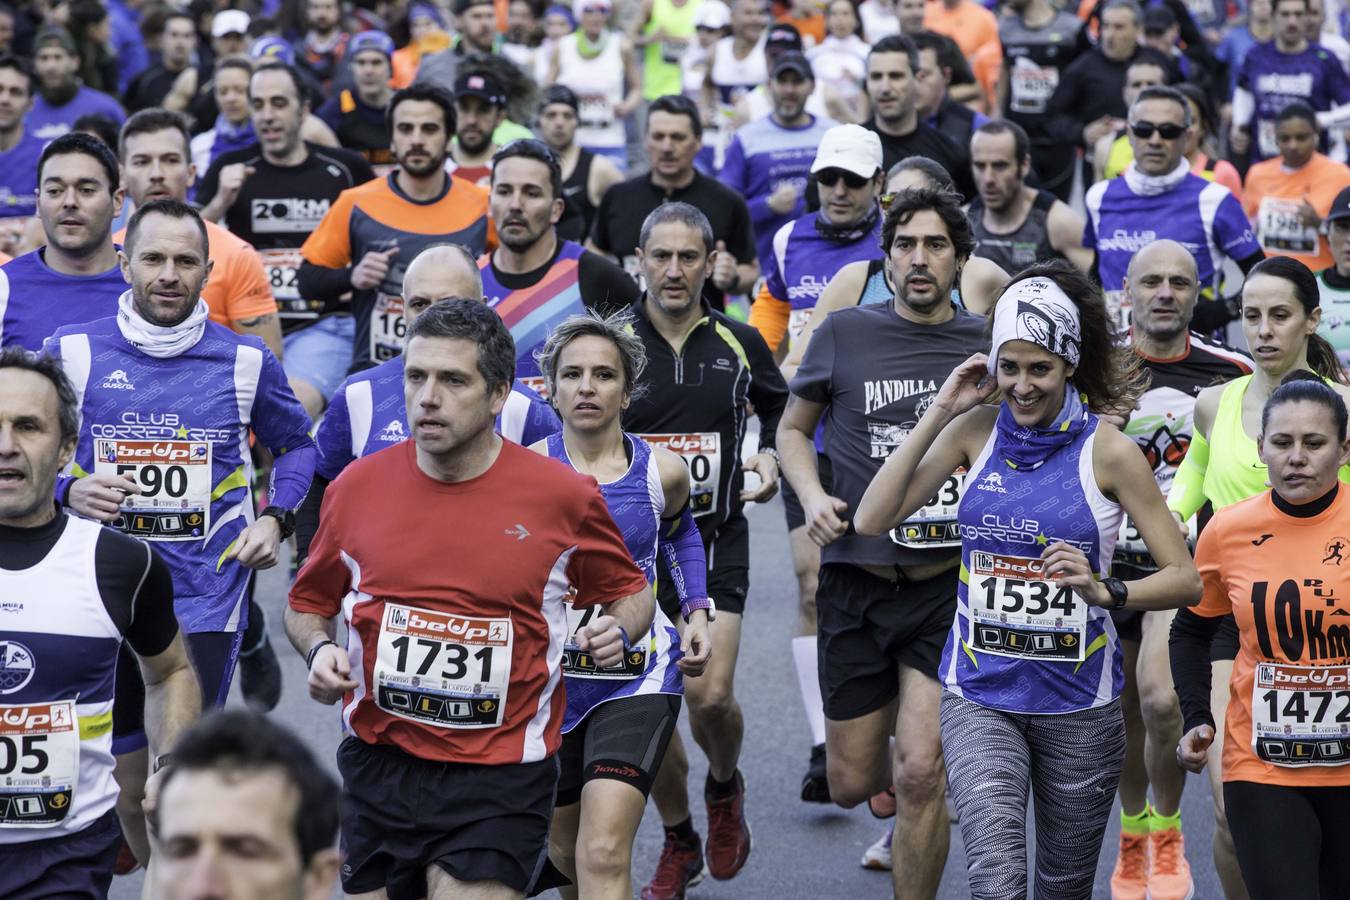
(830,177)
(1168,131)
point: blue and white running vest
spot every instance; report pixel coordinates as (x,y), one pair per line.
(636,502)
(1020,643)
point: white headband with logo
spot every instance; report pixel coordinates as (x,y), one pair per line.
(1038,311)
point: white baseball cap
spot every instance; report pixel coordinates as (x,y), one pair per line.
(229,21)
(712,14)
(851,148)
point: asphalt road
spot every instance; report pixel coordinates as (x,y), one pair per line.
(800,850)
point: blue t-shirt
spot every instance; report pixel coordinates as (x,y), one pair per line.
(367,413)
(763,155)
(1276,79)
(18,177)
(35,301)
(49,122)
(180,427)
(1202,216)
(1232,50)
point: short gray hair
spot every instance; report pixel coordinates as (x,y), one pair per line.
(617,329)
(677,212)
(1163,92)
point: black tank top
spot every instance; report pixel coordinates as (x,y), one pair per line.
(1014,251)
(578,212)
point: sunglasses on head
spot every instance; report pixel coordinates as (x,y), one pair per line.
(1168,131)
(830,177)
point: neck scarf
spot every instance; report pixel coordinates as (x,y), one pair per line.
(1153,185)
(231,137)
(1028,447)
(160,341)
(847,234)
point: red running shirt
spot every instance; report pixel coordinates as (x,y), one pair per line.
(453,598)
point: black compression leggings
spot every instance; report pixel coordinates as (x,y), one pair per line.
(1290,841)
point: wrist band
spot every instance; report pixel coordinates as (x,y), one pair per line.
(313,651)
(627,644)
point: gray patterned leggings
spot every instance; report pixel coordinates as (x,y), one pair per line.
(1070,762)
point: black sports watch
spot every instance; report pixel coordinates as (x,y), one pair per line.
(1118,590)
(285,518)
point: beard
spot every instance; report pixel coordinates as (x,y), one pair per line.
(422,170)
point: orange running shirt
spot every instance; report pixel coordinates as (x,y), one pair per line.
(238,288)
(969,24)
(377,215)
(1287,582)
(1272,197)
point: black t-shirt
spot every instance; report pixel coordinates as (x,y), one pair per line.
(927,141)
(133,580)
(149,88)
(626,205)
(278,207)
(877,373)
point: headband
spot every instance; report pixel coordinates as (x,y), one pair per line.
(1038,311)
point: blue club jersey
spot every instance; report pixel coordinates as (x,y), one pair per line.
(35,300)
(636,502)
(1276,79)
(180,427)
(18,177)
(367,413)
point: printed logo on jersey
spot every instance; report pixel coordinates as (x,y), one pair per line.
(1300,629)
(992,482)
(886,391)
(1334,552)
(159,427)
(17,666)
(393,432)
(1297,85)
(1016,530)
(808,287)
(117,381)
(1262,539)
(287,215)
(518,531)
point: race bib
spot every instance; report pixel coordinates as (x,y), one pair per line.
(39,763)
(1016,612)
(388,328)
(1129,541)
(536,383)
(595,111)
(1301,714)
(702,454)
(282,268)
(579,663)
(1031,86)
(175,478)
(797,320)
(1281,230)
(1119,309)
(441,669)
(935,524)
(672,50)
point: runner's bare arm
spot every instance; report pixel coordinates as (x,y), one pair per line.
(173,699)
(267,327)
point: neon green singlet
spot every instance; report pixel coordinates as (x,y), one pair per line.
(661,64)
(1235,471)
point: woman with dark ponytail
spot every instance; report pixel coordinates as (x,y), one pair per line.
(1280,314)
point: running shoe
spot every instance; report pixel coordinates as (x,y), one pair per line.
(815,783)
(729,839)
(1169,876)
(1130,880)
(260,676)
(882,805)
(878,856)
(680,868)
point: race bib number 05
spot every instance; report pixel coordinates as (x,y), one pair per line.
(39,763)
(935,524)
(1015,611)
(702,453)
(441,669)
(1301,715)
(578,663)
(387,327)
(175,478)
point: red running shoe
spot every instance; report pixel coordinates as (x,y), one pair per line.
(680,868)
(728,832)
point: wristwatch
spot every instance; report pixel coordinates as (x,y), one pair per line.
(1118,590)
(285,518)
(705,603)
(772,451)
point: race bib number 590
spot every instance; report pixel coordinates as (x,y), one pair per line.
(175,480)
(702,453)
(441,669)
(1015,611)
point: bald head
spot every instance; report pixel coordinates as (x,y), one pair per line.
(438,273)
(1163,285)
